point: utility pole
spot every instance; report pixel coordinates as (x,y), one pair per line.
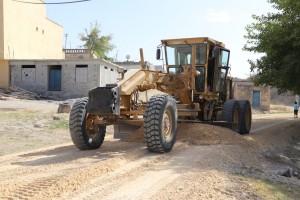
(66,35)
(117,55)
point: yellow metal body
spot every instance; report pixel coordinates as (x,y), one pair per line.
(181,86)
(194,76)
(192,103)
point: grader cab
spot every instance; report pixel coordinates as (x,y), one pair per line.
(194,87)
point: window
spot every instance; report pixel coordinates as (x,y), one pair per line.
(224,58)
(179,55)
(28,66)
(200,79)
(201,54)
(175,70)
(223,75)
(28,73)
(81,75)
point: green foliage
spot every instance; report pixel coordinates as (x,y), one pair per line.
(277,37)
(32,117)
(17,116)
(271,190)
(58,124)
(99,45)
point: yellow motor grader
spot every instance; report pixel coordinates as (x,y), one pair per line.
(194,88)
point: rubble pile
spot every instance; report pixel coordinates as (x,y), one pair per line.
(18,93)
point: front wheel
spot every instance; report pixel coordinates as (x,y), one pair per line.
(160,123)
(84,134)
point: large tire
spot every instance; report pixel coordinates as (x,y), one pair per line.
(160,123)
(83,137)
(231,113)
(245,116)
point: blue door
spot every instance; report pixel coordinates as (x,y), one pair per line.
(55,78)
(256,99)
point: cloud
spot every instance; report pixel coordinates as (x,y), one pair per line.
(213,15)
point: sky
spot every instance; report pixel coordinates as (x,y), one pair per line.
(136,24)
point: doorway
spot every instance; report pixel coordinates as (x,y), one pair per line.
(54,81)
(256,99)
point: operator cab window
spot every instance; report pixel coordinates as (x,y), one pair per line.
(223,67)
(201,54)
(200,79)
(179,55)
(175,70)
(224,58)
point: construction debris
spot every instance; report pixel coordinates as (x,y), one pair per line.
(64,107)
(18,93)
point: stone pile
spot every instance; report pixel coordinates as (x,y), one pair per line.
(18,93)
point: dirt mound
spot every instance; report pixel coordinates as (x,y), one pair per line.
(134,137)
(204,134)
(198,134)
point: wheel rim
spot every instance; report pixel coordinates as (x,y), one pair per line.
(235,119)
(91,128)
(167,124)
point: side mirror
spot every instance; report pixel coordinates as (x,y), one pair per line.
(158,53)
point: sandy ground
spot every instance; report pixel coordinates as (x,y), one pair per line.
(207,162)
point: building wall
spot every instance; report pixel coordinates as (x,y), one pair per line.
(1,33)
(76,79)
(244,90)
(4,71)
(265,96)
(75,54)
(26,33)
(4,75)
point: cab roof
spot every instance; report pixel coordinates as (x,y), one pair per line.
(196,40)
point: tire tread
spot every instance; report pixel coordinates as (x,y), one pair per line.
(76,122)
(151,123)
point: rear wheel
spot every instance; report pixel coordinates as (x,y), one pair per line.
(245,116)
(84,133)
(231,113)
(160,123)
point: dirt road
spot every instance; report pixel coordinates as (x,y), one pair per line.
(207,162)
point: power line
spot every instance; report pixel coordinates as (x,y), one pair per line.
(65,2)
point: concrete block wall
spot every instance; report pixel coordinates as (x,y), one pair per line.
(244,90)
(91,73)
(265,97)
(37,81)
(71,86)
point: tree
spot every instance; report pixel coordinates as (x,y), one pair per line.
(98,45)
(277,37)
